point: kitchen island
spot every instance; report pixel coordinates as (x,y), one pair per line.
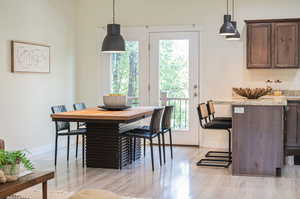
(258,136)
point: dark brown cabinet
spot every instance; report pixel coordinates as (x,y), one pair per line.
(292,128)
(273,43)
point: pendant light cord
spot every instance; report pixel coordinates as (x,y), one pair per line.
(227,8)
(114,11)
(233,7)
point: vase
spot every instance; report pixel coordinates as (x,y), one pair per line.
(11,172)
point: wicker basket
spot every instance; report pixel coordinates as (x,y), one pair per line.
(252,93)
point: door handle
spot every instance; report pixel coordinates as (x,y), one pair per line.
(195,94)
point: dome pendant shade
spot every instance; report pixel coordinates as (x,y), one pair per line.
(227,28)
(237,35)
(113,42)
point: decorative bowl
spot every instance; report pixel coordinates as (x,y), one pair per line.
(115,101)
(252,93)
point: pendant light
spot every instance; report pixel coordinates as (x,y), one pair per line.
(237,35)
(113,42)
(227,27)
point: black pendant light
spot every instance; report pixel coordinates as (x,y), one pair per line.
(237,35)
(113,42)
(227,28)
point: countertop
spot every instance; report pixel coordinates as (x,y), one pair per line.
(264,101)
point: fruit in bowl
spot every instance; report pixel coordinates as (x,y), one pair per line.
(115,100)
(252,93)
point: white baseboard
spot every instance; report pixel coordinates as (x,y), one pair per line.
(40,150)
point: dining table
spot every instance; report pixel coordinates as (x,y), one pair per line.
(105,147)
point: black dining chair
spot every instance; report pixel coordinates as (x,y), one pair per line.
(80,125)
(225,159)
(165,128)
(63,129)
(148,132)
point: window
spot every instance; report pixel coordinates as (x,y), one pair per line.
(125,72)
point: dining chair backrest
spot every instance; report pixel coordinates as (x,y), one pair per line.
(79,106)
(60,126)
(167,116)
(203,114)
(211,109)
(155,120)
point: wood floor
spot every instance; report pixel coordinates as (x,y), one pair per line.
(177,179)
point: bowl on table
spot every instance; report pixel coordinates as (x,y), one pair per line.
(115,100)
(252,93)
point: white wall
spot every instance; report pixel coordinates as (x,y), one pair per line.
(25,99)
(223,62)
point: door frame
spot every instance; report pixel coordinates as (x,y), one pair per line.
(143,33)
(179,136)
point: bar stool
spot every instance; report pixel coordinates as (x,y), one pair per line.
(211,111)
(80,125)
(148,133)
(63,129)
(205,123)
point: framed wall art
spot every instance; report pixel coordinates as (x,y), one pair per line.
(30,57)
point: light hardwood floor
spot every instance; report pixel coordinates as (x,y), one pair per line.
(177,179)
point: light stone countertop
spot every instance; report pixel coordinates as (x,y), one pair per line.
(264,101)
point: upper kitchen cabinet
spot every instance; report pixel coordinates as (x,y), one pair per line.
(273,43)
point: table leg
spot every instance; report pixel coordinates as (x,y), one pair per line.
(45,190)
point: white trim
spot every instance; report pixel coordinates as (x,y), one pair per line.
(162,28)
(40,150)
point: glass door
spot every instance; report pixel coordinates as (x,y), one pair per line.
(174,63)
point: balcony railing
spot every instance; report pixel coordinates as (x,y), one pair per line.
(180,116)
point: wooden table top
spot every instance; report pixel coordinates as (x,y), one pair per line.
(98,114)
(25,182)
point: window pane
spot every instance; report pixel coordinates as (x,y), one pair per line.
(125,72)
(174,79)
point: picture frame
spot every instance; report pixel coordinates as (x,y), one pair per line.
(29,57)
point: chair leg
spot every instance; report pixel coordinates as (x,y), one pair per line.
(164,146)
(229,145)
(77,146)
(144,147)
(83,150)
(68,148)
(159,149)
(134,146)
(55,155)
(171,143)
(151,147)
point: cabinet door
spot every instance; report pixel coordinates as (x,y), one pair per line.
(286,45)
(292,125)
(259,45)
